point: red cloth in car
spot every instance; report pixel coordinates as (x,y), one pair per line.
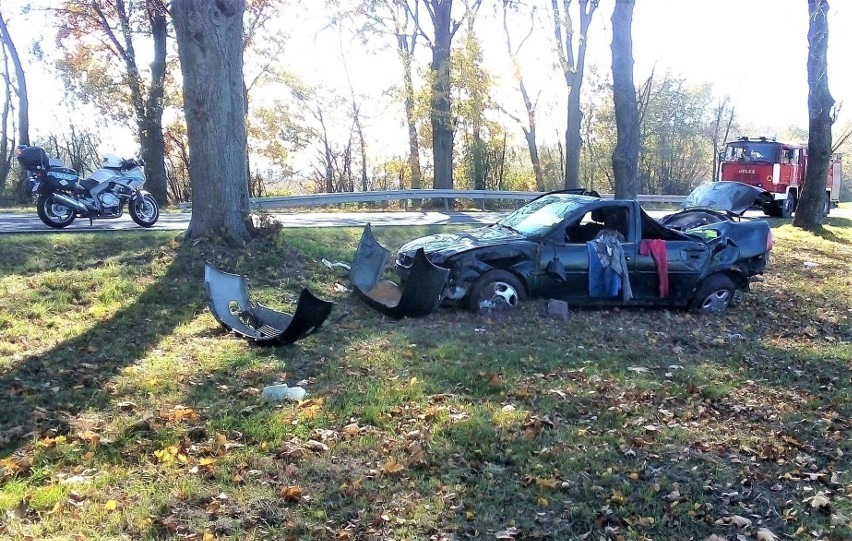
(657,250)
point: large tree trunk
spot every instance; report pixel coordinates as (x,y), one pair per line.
(572,136)
(442,123)
(572,70)
(625,156)
(5,154)
(209,39)
(820,103)
(413,144)
(148,109)
(23,101)
(151,130)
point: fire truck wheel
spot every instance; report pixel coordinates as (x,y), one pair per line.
(788,206)
(826,205)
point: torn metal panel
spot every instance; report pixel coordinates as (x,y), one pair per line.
(733,197)
(229,301)
(423,288)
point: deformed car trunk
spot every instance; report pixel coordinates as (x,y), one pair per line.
(717,202)
(421,294)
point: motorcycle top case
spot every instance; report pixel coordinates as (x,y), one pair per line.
(33,157)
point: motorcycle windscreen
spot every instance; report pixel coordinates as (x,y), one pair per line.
(231,305)
(421,294)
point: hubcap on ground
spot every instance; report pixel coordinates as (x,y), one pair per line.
(499,294)
(716,301)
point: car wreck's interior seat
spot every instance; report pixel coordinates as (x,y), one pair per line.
(230,303)
(421,294)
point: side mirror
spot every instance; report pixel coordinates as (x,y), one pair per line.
(556,270)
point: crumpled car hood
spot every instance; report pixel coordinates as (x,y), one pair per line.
(440,247)
(734,197)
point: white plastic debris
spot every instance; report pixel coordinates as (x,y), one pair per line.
(337,264)
(811,265)
(277,393)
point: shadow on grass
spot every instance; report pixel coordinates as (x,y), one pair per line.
(18,259)
(555,466)
(517,451)
(829,235)
(42,391)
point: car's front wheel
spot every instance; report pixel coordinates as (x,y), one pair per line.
(714,294)
(495,290)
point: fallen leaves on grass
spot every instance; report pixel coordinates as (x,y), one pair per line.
(819,501)
(292,493)
(734,520)
(765,534)
(509,533)
(392,467)
(15,465)
(171,454)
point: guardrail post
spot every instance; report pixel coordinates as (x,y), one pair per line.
(405,204)
(446,205)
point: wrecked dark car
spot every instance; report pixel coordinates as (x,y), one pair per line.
(590,251)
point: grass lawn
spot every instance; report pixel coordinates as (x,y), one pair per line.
(127,413)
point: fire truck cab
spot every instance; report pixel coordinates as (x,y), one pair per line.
(778,168)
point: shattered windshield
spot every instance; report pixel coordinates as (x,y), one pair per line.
(748,151)
(538,217)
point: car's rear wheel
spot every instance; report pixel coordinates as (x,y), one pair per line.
(714,294)
(496,290)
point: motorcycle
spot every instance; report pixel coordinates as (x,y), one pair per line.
(63,196)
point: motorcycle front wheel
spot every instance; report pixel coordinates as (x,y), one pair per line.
(53,213)
(144,210)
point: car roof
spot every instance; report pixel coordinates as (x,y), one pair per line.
(570,196)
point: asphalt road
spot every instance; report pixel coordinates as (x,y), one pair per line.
(29,222)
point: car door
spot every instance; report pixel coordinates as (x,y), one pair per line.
(563,269)
(564,257)
(686,260)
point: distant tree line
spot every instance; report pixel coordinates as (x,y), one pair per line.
(658,135)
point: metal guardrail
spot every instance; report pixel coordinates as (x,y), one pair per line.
(316,200)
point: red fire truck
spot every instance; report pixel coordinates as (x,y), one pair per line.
(778,168)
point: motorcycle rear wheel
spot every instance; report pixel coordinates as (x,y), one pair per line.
(54,214)
(144,210)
